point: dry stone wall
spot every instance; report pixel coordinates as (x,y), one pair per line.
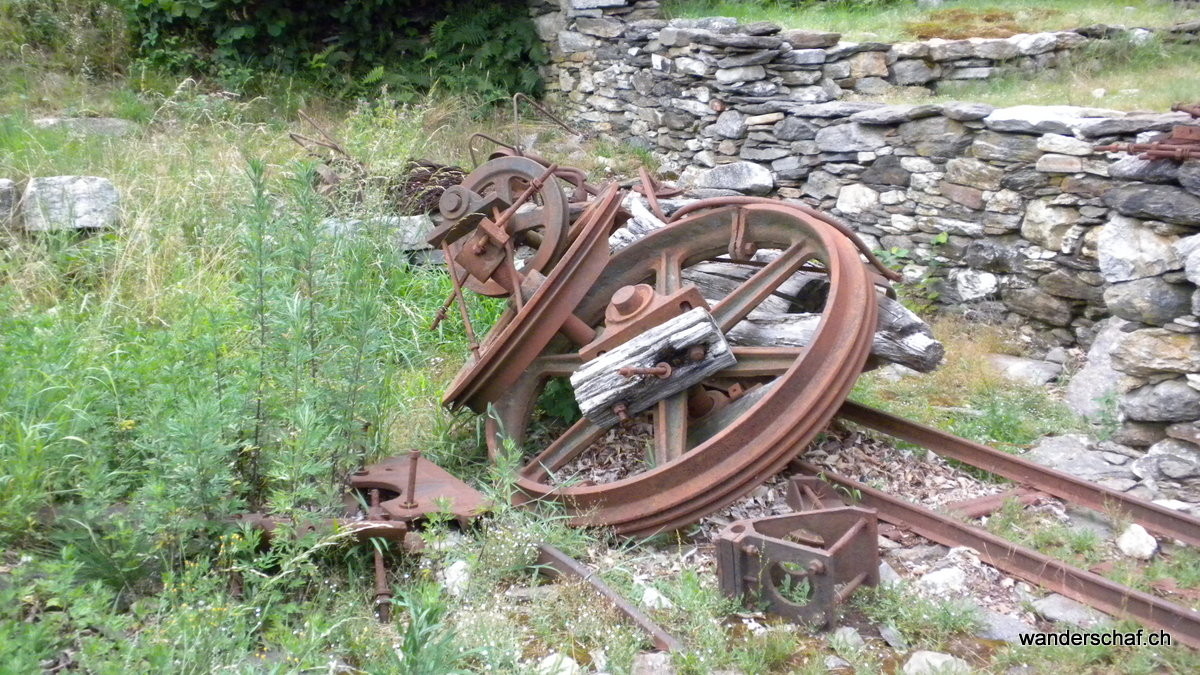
(1008,213)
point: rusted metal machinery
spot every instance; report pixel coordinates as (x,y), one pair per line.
(1183,143)
(536,233)
(801,565)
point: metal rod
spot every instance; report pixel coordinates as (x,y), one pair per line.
(411,493)
(560,564)
(462,306)
(1082,585)
(1157,518)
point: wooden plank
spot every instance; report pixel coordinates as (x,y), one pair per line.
(600,387)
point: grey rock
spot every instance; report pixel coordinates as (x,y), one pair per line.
(822,184)
(972,285)
(1149,300)
(1151,351)
(1128,251)
(8,200)
(794,129)
(1095,385)
(893,637)
(751,59)
(1139,434)
(600,26)
(1188,175)
(1136,542)
(1025,371)
(1146,170)
(1061,609)
(1169,401)
(1069,284)
(935,136)
(914,72)
(997,626)
(810,39)
(965,111)
(1035,119)
(69,202)
(743,74)
(89,126)
(1047,225)
(973,172)
(1036,304)
(804,57)
(935,663)
(730,124)
(850,138)
(943,582)
(989,145)
(833,109)
(894,114)
(886,170)
(762,154)
(1133,124)
(570,42)
(1069,453)
(846,641)
(737,41)
(745,177)
(1155,202)
(657,663)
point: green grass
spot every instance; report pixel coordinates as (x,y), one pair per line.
(886,21)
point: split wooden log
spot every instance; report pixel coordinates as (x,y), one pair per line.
(691,347)
(789,317)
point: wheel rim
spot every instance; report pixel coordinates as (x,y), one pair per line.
(809,383)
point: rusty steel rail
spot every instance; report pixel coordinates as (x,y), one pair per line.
(1158,519)
(1082,585)
(559,564)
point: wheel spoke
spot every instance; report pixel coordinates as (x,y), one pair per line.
(565,448)
(670,428)
(743,299)
(523,221)
(669,273)
(761,361)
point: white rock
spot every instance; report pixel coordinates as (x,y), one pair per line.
(656,663)
(1023,370)
(69,202)
(557,664)
(974,285)
(1064,145)
(846,640)
(931,663)
(1128,251)
(949,580)
(1136,542)
(652,599)
(456,577)
(857,198)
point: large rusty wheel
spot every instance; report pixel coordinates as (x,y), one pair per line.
(794,392)
(539,228)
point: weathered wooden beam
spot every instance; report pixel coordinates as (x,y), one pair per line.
(631,377)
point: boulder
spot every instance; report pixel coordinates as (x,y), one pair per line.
(1067,283)
(914,72)
(1169,401)
(69,202)
(1155,202)
(730,124)
(972,285)
(794,129)
(1128,251)
(887,170)
(1150,300)
(935,136)
(857,198)
(746,177)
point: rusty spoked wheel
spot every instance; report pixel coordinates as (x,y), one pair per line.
(522,334)
(539,229)
(703,463)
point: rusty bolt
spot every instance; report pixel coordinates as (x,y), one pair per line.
(662,371)
(621,411)
(697,353)
(750,549)
(629,299)
(816,567)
